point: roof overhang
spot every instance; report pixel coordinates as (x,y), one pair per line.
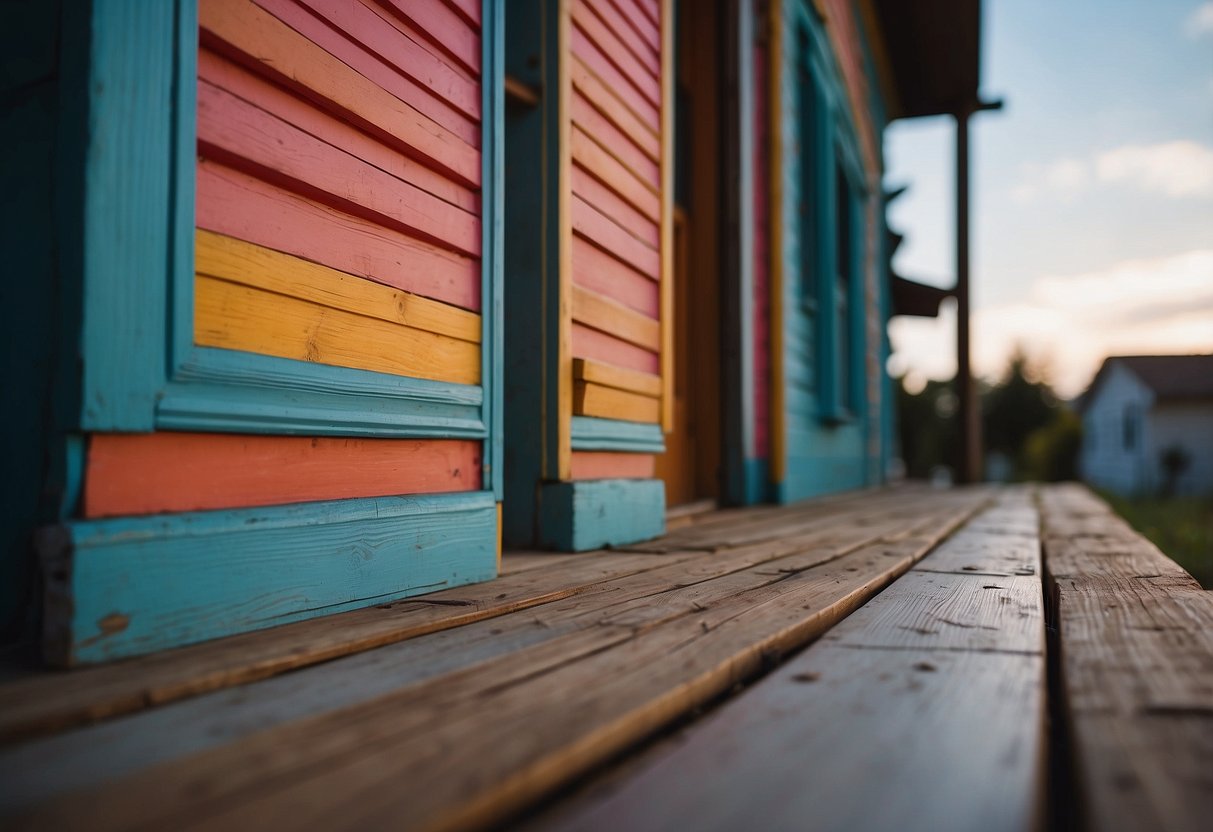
(934,55)
(916,299)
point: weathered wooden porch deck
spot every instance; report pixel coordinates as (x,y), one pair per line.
(895,659)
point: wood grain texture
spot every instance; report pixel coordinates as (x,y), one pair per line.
(127,586)
(1136,635)
(236,261)
(610,205)
(640,77)
(341,35)
(617,377)
(242,206)
(611,674)
(601,108)
(596,61)
(639,49)
(590,222)
(252,36)
(610,465)
(595,159)
(606,315)
(162,472)
(231,316)
(598,346)
(443,28)
(591,399)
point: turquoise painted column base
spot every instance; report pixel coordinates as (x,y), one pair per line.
(592,514)
(133,585)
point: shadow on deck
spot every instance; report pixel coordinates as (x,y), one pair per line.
(668,685)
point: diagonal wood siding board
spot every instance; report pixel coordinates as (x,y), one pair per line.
(606,201)
(444,30)
(242,206)
(255,38)
(599,96)
(244,137)
(625,33)
(600,272)
(615,319)
(329,36)
(608,136)
(231,316)
(587,342)
(640,77)
(221,72)
(595,159)
(237,261)
(649,112)
(644,26)
(591,223)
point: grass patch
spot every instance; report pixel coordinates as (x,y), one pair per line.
(1182,527)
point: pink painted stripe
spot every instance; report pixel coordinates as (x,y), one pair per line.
(598,346)
(243,136)
(607,465)
(600,272)
(589,52)
(614,207)
(595,226)
(234,203)
(232,77)
(443,29)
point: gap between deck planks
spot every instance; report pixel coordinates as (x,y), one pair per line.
(924,709)
(616,633)
(1136,670)
(48,702)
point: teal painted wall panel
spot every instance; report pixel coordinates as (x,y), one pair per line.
(592,514)
(594,434)
(135,585)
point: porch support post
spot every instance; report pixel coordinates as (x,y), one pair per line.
(967,412)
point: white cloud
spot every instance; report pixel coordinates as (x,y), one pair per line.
(1064,178)
(1200,22)
(1177,169)
(1068,324)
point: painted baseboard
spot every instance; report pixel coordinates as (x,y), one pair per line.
(128,586)
(591,514)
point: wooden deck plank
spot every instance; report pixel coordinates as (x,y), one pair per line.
(530,720)
(46,702)
(872,728)
(1136,637)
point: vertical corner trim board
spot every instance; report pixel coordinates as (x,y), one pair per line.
(591,514)
(129,586)
(131,474)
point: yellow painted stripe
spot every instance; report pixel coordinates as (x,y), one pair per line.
(235,317)
(237,261)
(644,384)
(609,403)
(610,316)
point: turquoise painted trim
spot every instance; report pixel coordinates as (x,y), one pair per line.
(492,203)
(128,216)
(164,581)
(758,489)
(141,369)
(230,391)
(592,514)
(593,434)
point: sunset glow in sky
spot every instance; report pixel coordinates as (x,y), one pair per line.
(1092,192)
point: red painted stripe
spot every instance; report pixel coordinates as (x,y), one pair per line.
(592,224)
(607,465)
(606,133)
(590,343)
(600,272)
(375,30)
(162,472)
(442,28)
(233,203)
(352,52)
(242,136)
(611,205)
(232,77)
(589,52)
(614,50)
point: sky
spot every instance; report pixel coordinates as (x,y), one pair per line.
(1092,192)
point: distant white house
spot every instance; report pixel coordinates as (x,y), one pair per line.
(1142,416)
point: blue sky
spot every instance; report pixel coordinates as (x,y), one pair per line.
(1093,191)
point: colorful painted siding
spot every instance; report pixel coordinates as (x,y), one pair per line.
(615,211)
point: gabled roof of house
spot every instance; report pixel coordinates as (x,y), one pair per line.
(1171,377)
